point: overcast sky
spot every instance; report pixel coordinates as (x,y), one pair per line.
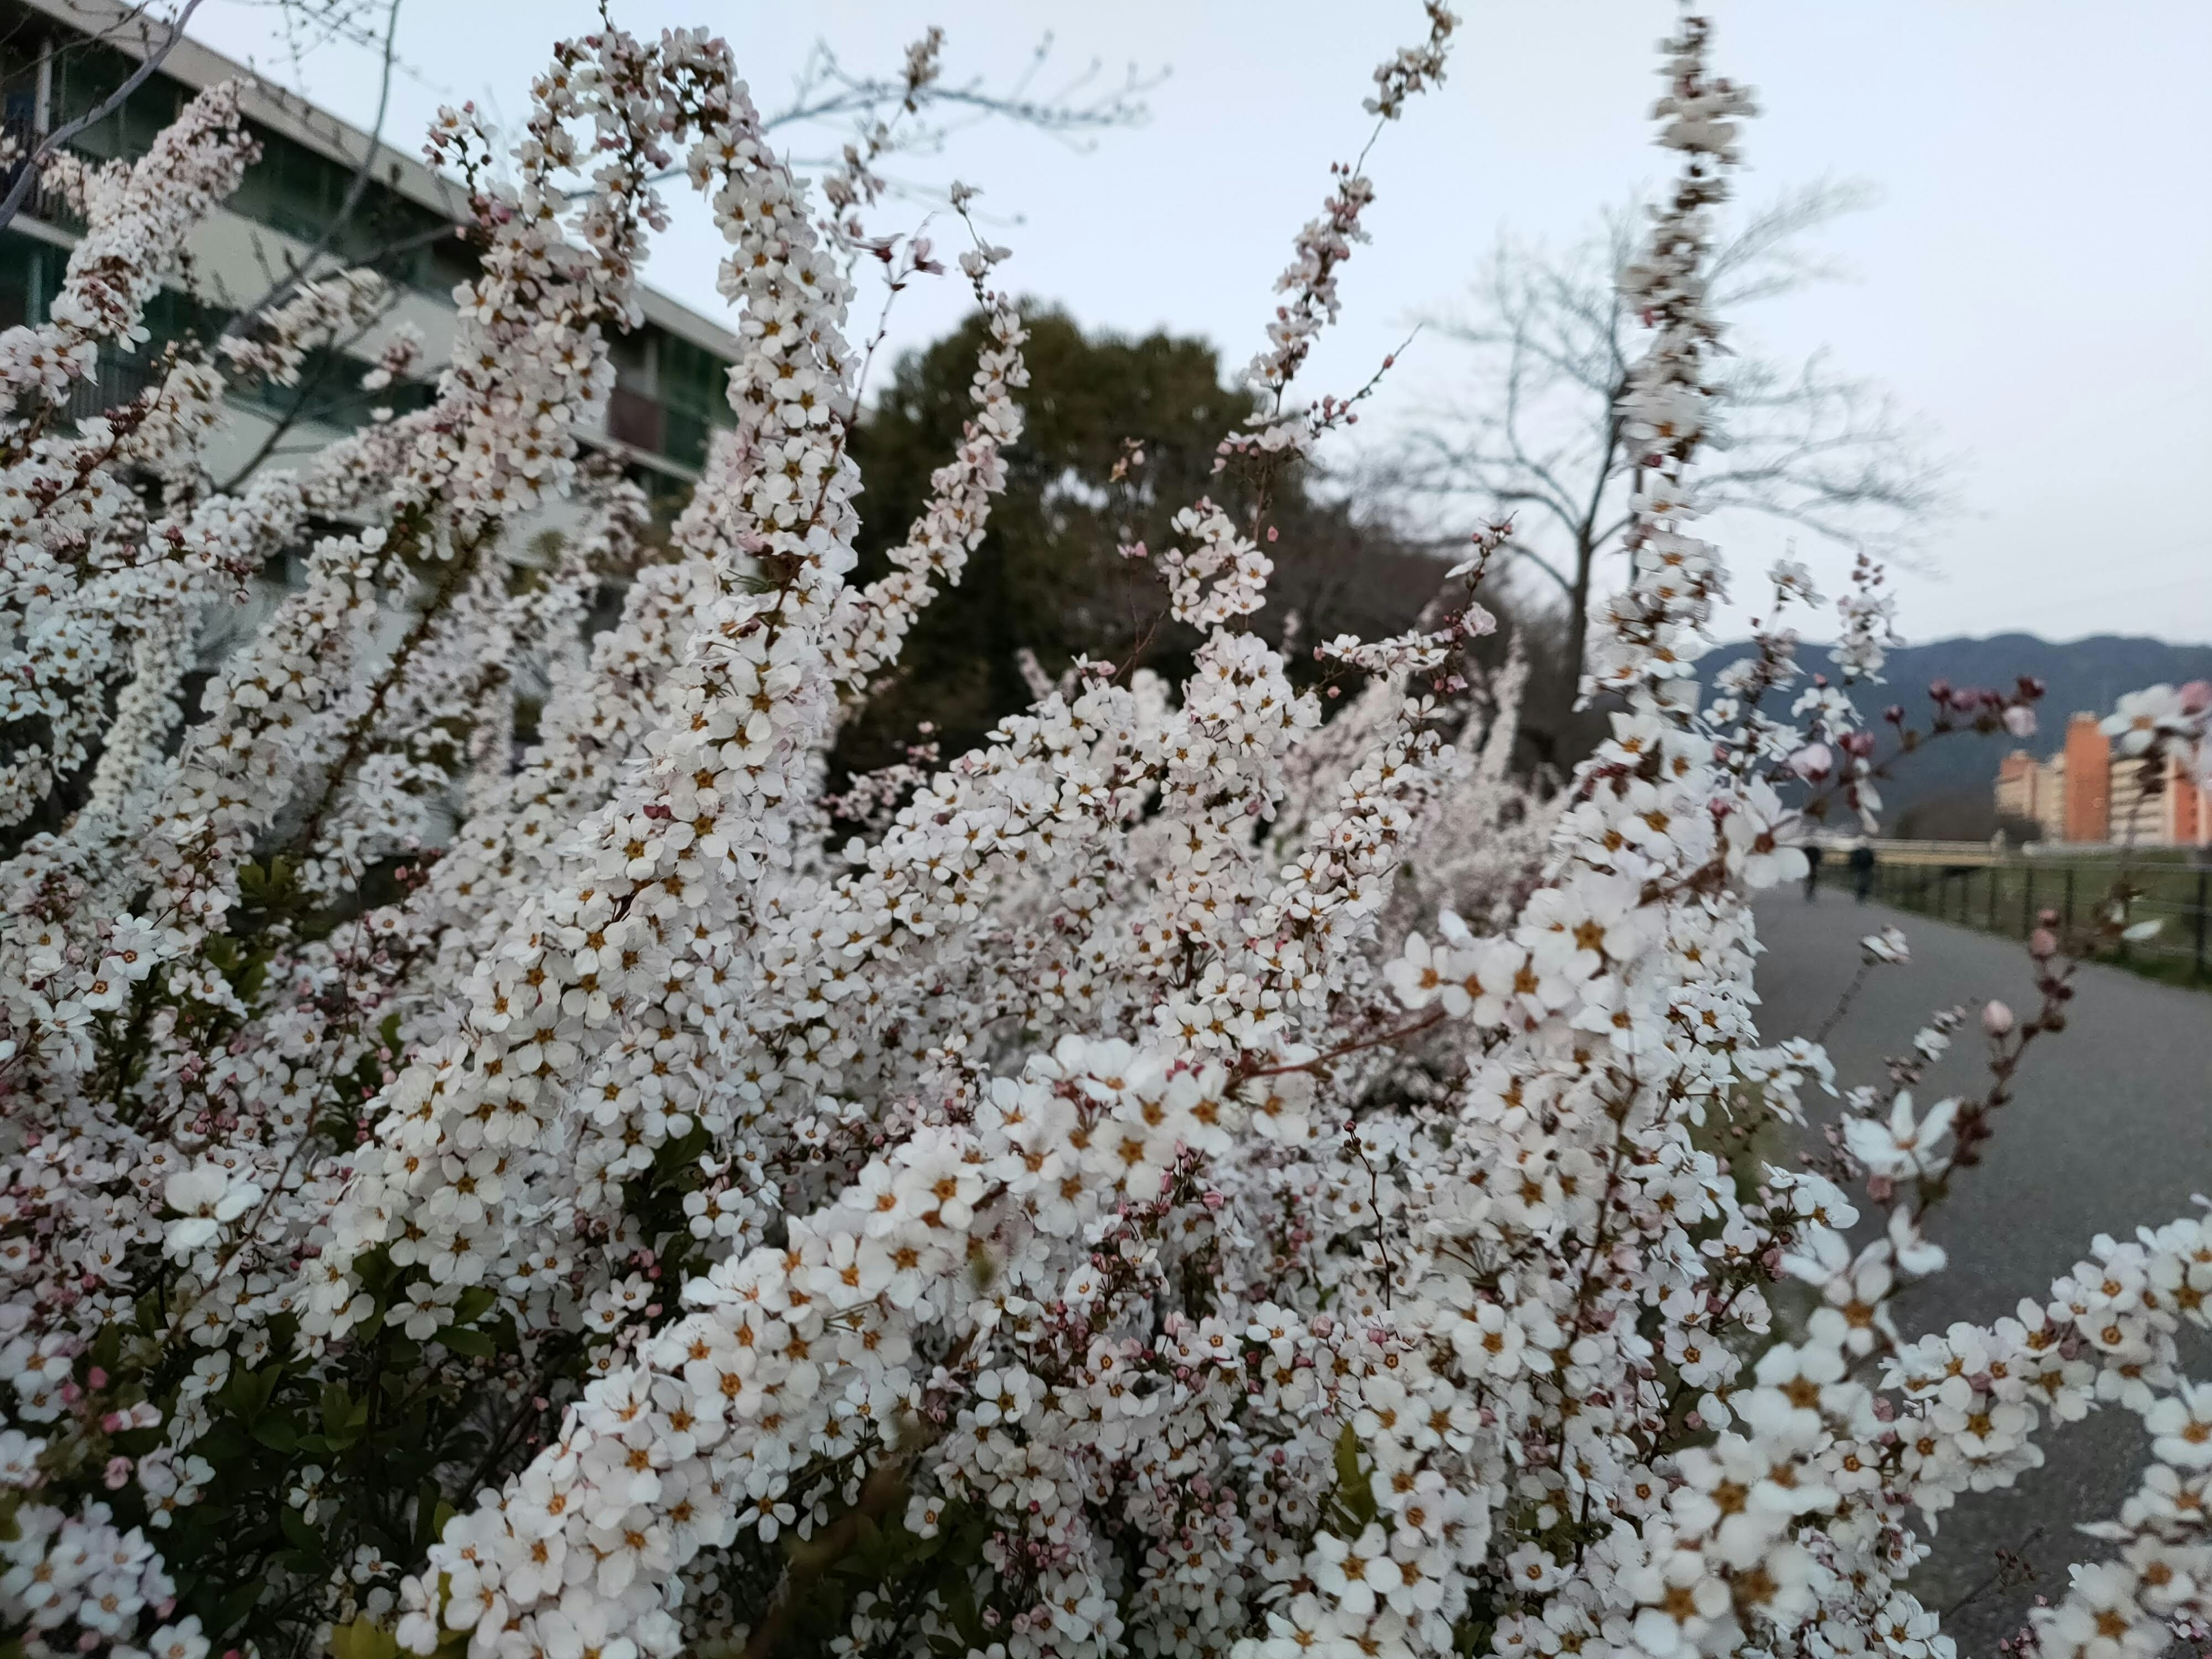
(2035,278)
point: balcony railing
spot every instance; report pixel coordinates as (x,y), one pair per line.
(635,419)
(115,381)
(48,205)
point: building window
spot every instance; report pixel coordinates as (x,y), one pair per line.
(85,74)
(30,273)
(694,385)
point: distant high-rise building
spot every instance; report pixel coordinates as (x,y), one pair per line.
(2085,793)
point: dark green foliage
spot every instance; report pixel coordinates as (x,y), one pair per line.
(1049,575)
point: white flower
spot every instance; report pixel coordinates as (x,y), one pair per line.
(1040,1130)
(2182,1422)
(2143,718)
(181,1640)
(1889,946)
(1900,1146)
(207,1199)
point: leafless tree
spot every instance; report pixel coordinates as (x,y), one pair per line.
(1537,433)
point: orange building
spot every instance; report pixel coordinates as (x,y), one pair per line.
(2034,791)
(2089,781)
(2083,795)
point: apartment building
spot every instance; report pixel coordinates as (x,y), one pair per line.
(2034,791)
(61,58)
(2085,794)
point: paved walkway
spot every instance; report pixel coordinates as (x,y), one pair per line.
(2111,1130)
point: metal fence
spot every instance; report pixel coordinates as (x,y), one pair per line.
(2009,895)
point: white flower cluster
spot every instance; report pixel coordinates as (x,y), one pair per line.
(2167,720)
(137,220)
(1191,1179)
(318,311)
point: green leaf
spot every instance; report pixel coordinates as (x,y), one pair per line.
(1353,1489)
(247,1393)
(344,1417)
(279,1434)
(428,1524)
(363,1639)
(297,1532)
(106,1351)
(283,1336)
(461,1339)
(476,1302)
(231,1610)
(222,1443)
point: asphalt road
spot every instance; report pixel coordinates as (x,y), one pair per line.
(2112,1130)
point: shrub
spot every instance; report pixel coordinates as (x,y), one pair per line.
(1078,1214)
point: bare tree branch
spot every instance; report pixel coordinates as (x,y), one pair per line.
(825,93)
(305,265)
(1537,426)
(155,54)
(825,90)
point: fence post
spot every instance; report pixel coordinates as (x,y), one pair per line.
(2202,873)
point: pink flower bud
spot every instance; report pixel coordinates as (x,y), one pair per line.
(118,1473)
(2042,944)
(1815,760)
(1997,1019)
